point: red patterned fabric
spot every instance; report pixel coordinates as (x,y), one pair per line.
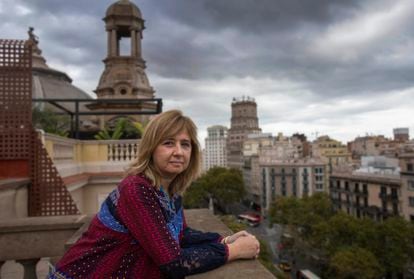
(135,242)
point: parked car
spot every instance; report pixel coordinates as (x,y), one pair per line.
(285,266)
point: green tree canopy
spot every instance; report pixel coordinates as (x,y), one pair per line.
(355,263)
(341,236)
(124,129)
(394,245)
(225,186)
(304,213)
(50,122)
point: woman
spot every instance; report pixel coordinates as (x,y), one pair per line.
(140,230)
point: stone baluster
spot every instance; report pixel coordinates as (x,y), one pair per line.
(118,152)
(29,268)
(130,155)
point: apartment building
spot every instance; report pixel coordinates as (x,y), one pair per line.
(372,191)
(406,163)
(331,151)
(215,153)
(293,177)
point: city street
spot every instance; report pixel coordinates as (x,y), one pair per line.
(270,235)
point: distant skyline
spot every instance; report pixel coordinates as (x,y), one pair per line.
(326,67)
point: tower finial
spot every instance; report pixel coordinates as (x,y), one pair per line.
(32,36)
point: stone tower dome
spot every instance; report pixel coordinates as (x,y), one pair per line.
(124,75)
(123,7)
(49,83)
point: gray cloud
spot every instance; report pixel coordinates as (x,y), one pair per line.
(290,55)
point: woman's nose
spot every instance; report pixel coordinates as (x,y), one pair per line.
(178,150)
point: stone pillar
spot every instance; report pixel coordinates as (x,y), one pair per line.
(114,43)
(138,38)
(29,268)
(1,264)
(133,42)
(108,32)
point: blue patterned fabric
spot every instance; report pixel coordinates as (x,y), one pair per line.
(173,216)
(107,218)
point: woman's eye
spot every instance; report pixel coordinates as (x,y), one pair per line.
(168,143)
(186,144)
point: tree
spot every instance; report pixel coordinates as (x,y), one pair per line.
(225,186)
(355,263)
(341,237)
(303,213)
(196,196)
(339,232)
(124,129)
(395,244)
(285,210)
(50,122)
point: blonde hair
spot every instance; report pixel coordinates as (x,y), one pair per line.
(160,128)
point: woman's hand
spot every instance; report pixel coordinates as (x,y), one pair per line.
(232,238)
(246,247)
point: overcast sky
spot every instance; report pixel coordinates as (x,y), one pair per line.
(335,67)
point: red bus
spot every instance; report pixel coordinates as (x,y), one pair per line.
(251,219)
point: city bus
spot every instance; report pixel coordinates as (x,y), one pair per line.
(251,219)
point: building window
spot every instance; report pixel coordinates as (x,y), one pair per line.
(410,185)
(411,201)
(394,193)
(409,167)
(383,192)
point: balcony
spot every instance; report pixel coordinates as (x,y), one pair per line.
(27,240)
(30,241)
(388,197)
(73,157)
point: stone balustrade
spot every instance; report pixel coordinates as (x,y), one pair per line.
(202,219)
(125,150)
(27,240)
(73,157)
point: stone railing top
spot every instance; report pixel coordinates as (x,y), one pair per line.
(13,183)
(37,237)
(47,223)
(202,219)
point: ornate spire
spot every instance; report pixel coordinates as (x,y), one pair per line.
(38,60)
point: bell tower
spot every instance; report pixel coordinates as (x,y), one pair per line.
(124,75)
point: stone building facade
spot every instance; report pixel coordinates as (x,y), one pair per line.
(360,195)
(244,121)
(287,178)
(406,162)
(215,153)
(333,152)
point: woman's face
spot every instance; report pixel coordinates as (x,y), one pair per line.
(172,156)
